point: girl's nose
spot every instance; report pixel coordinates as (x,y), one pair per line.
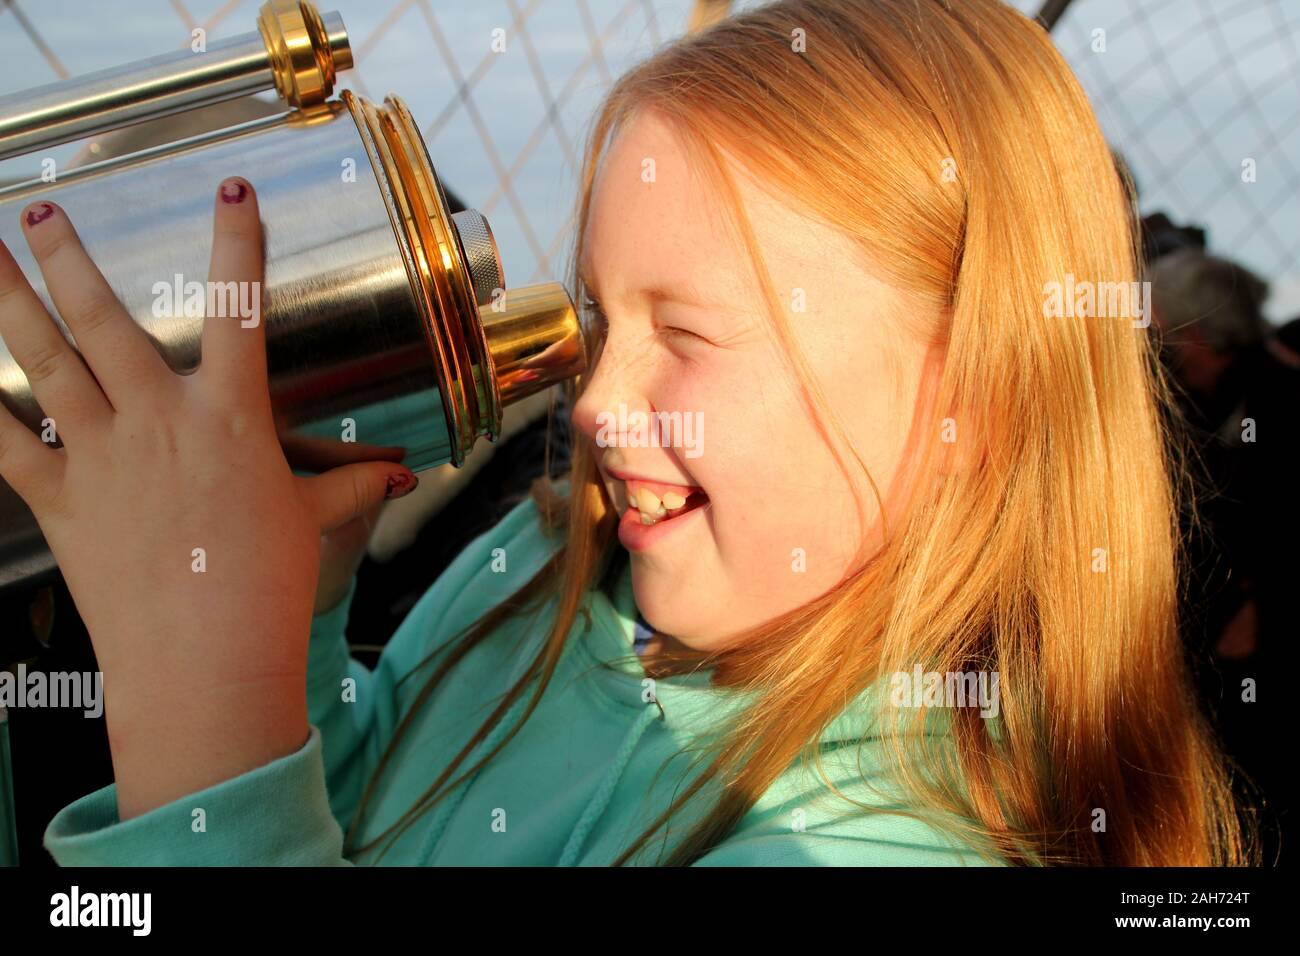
(596,414)
(622,382)
(603,411)
(606,384)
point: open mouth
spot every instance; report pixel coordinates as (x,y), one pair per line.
(657,502)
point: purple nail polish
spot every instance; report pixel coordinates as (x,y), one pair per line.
(233,191)
(39,213)
(400,484)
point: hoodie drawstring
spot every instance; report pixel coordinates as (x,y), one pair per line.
(600,799)
(453,801)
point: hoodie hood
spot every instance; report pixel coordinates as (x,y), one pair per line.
(618,617)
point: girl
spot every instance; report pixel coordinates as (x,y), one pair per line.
(908,598)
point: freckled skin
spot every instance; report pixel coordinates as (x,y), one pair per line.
(772,480)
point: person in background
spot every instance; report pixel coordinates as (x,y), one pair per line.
(1240,401)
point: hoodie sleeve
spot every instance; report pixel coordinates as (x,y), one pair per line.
(285,813)
(354,707)
(275,815)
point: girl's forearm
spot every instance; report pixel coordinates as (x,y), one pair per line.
(168,743)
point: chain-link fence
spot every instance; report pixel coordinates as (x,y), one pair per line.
(1202,99)
(502,89)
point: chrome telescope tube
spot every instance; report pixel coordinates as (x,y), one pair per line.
(390,330)
(295,51)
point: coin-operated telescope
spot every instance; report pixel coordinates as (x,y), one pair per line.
(390,330)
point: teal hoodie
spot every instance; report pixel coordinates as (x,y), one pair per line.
(599,759)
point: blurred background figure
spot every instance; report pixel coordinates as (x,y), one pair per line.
(1213,331)
(1239,383)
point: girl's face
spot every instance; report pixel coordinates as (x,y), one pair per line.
(688,334)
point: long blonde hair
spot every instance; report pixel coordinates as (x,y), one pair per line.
(952,141)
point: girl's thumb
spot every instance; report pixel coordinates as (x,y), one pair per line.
(349,491)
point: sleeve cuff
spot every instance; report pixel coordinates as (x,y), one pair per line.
(275,815)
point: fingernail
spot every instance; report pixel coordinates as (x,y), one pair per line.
(233,191)
(399,484)
(39,213)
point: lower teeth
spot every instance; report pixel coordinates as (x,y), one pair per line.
(664,515)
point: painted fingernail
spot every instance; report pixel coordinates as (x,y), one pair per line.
(233,191)
(39,213)
(400,484)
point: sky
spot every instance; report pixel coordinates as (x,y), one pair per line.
(1186,89)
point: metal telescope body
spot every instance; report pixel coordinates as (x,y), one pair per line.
(390,329)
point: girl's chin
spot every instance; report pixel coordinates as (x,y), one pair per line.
(674,603)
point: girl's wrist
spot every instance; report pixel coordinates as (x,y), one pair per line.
(170,744)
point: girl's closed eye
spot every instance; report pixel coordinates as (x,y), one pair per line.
(673,333)
(600,324)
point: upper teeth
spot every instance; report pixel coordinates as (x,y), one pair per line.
(649,502)
(652,507)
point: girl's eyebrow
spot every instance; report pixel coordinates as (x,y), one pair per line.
(657,293)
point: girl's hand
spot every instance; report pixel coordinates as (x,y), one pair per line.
(341,552)
(190,547)
(342,549)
